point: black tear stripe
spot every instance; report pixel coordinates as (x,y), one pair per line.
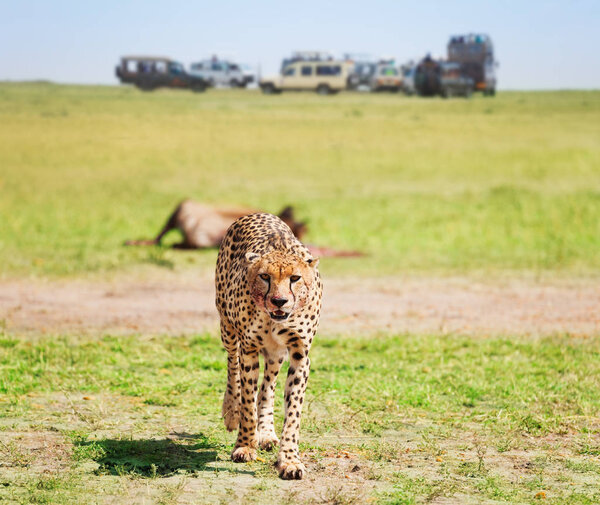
(267,293)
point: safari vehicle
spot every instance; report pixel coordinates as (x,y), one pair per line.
(223,73)
(475,54)
(434,77)
(150,72)
(408,78)
(386,78)
(324,77)
(453,82)
(361,75)
(373,75)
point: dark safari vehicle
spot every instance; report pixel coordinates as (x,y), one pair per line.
(445,78)
(453,81)
(149,72)
(475,54)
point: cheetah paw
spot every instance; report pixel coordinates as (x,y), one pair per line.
(267,441)
(243,454)
(291,470)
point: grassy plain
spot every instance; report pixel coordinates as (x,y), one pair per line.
(502,186)
(421,185)
(393,420)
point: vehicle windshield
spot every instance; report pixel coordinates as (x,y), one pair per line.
(388,71)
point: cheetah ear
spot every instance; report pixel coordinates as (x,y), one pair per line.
(313,262)
(251,258)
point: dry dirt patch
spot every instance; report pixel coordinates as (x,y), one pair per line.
(178,304)
(34,451)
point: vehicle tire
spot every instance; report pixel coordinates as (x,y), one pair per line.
(268,89)
(323,89)
(234,83)
(199,88)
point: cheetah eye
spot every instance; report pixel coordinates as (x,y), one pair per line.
(264,277)
(294,278)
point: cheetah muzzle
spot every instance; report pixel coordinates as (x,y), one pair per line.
(268,293)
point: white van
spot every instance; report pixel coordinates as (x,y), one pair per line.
(223,73)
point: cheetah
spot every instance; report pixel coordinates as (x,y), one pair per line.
(268,294)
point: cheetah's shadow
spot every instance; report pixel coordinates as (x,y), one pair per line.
(180,453)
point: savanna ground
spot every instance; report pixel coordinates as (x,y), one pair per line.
(458,362)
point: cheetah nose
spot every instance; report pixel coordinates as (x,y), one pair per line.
(278,302)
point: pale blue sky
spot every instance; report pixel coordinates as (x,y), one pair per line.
(539,44)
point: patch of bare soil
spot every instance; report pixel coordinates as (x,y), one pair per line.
(177,304)
(34,451)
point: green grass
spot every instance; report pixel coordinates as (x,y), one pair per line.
(422,416)
(509,184)
(421,185)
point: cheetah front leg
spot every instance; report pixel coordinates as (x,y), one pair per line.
(231,399)
(245,447)
(267,438)
(288,460)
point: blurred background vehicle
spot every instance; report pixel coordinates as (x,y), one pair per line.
(362,71)
(324,77)
(453,82)
(427,77)
(220,72)
(408,77)
(386,77)
(361,75)
(151,72)
(475,54)
(436,77)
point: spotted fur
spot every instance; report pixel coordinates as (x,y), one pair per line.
(269,298)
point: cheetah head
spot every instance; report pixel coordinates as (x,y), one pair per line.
(280,283)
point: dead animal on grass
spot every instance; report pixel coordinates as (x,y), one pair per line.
(204,226)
